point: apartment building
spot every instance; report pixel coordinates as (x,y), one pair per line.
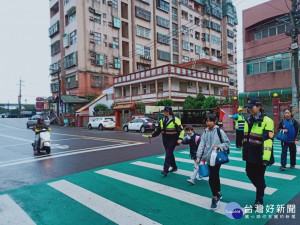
(95,41)
(267,53)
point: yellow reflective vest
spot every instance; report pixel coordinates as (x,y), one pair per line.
(172,127)
(240,122)
(258,142)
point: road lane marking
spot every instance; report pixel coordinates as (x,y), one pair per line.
(11,213)
(111,210)
(241,169)
(66,153)
(276,156)
(225,181)
(188,197)
(16,138)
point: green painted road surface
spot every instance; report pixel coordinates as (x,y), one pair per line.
(134,192)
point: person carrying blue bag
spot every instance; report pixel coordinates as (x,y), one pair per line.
(289,128)
(213,138)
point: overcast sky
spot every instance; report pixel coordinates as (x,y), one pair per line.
(25,51)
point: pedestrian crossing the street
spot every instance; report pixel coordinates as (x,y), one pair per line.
(135,192)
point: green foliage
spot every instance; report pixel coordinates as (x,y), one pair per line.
(141,106)
(101,109)
(164,102)
(28,107)
(225,101)
(209,103)
(90,97)
(194,103)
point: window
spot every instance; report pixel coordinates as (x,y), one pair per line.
(175,59)
(152,88)
(215,40)
(105,61)
(175,45)
(162,55)
(185,59)
(97,19)
(73,37)
(142,13)
(70,60)
(71,17)
(104,2)
(117,63)
(174,30)
(143,32)
(116,22)
(230,20)
(281,29)
(114,3)
(66,2)
(96,81)
(162,38)
(99,60)
(142,50)
(230,33)
(174,14)
(116,43)
(104,15)
(55,48)
(97,38)
(71,82)
(183,86)
(269,30)
(278,62)
(185,45)
(197,49)
(54,29)
(230,45)
(160,86)
(185,30)
(162,22)
(135,90)
(163,5)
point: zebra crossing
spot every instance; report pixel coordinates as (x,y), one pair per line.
(134,192)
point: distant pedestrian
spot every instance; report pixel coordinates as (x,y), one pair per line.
(212,138)
(239,127)
(172,135)
(193,139)
(290,127)
(258,148)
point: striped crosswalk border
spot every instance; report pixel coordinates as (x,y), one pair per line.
(105,207)
(188,197)
(11,213)
(240,169)
(225,181)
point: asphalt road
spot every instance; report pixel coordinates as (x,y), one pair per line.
(73,150)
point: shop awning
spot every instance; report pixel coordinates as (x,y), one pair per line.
(265,93)
(125,106)
(86,107)
(71,99)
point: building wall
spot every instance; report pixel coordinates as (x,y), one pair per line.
(253,18)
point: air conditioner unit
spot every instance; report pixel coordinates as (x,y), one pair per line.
(111,45)
(111,66)
(92,41)
(92,10)
(92,18)
(110,24)
(92,32)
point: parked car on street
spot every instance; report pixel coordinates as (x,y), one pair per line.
(33,120)
(102,123)
(140,124)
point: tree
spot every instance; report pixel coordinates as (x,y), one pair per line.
(101,109)
(90,97)
(209,103)
(225,101)
(164,102)
(141,106)
(29,107)
(194,103)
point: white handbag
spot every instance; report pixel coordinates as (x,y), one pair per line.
(213,157)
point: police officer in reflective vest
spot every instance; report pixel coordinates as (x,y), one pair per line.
(258,147)
(239,127)
(172,135)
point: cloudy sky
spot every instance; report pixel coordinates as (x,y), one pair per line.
(25,51)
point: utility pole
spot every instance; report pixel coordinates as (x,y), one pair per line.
(20,97)
(292,19)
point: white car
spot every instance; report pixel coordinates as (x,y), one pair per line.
(140,124)
(102,123)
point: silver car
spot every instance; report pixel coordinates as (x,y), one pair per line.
(33,120)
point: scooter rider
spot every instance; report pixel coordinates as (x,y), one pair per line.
(38,127)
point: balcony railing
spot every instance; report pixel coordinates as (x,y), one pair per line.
(171,70)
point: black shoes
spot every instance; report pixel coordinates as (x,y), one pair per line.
(258,205)
(174,169)
(164,173)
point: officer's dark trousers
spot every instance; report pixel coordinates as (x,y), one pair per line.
(169,143)
(256,174)
(239,138)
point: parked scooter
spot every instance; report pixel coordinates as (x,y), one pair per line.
(45,140)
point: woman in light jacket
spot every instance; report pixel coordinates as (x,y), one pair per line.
(213,137)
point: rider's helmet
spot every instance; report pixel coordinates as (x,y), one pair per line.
(40,120)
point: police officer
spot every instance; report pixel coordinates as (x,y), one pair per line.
(239,127)
(258,147)
(172,135)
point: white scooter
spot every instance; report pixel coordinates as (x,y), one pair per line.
(45,140)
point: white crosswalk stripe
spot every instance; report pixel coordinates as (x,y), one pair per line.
(105,207)
(225,181)
(11,213)
(275,156)
(188,197)
(240,169)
